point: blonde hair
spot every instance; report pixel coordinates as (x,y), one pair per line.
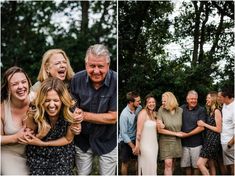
(57,85)
(214,102)
(171,101)
(45,61)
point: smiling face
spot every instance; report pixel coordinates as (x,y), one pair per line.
(52,104)
(192,100)
(18,86)
(57,66)
(208,100)
(97,68)
(151,103)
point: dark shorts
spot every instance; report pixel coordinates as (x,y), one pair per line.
(126,152)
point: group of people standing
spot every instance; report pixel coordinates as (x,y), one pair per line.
(198,136)
(61,121)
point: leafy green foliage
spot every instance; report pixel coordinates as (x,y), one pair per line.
(29,29)
(145,66)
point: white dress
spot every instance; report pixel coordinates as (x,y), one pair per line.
(147,160)
(13,159)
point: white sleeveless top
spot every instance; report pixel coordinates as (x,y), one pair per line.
(13,160)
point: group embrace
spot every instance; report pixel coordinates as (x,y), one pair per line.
(56,126)
(198,136)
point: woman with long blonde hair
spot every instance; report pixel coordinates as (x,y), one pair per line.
(210,148)
(55,153)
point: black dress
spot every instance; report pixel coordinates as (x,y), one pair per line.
(52,160)
(210,148)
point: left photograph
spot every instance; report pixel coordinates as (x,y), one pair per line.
(59,88)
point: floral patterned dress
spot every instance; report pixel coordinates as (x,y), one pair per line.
(57,160)
(211,144)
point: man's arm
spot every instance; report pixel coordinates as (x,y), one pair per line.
(100,118)
(193,132)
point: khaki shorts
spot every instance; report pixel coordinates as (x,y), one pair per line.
(228,154)
(190,156)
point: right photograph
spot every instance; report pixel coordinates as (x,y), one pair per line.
(176,87)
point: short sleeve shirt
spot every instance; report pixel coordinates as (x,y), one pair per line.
(101,138)
(189,122)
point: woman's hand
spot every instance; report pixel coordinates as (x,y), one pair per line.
(76,128)
(21,132)
(136,150)
(31,139)
(160,124)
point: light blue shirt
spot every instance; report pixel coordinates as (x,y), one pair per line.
(127,124)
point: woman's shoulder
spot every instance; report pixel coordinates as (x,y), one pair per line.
(36,86)
(179,109)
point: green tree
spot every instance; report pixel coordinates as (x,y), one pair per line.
(145,29)
(29,29)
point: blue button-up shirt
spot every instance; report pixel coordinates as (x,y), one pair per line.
(127,124)
(101,138)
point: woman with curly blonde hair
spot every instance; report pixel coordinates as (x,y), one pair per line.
(211,145)
(53,105)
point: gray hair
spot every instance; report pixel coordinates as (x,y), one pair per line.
(192,92)
(98,50)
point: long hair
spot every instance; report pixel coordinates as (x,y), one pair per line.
(154,114)
(45,63)
(57,85)
(171,101)
(214,102)
(5,81)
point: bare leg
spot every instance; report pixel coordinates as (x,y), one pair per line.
(212,167)
(168,167)
(188,171)
(124,168)
(201,164)
(231,169)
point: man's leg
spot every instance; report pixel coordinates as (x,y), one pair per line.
(83,161)
(124,168)
(108,163)
(194,154)
(185,161)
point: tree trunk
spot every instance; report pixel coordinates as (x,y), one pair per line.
(85,20)
(196,32)
(203,29)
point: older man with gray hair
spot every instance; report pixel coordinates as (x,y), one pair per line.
(192,138)
(95,90)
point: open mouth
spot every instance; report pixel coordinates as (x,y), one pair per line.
(62,73)
(21,92)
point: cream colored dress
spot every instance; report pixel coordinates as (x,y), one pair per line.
(147,160)
(13,159)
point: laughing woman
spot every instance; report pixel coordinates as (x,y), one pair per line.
(54,154)
(210,148)
(14,105)
(55,63)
